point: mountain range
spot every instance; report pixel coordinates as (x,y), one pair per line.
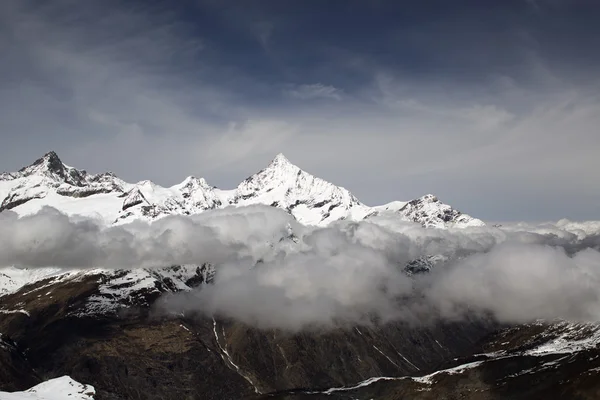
(95,334)
(311,200)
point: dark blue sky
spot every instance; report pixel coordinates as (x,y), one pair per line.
(491,105)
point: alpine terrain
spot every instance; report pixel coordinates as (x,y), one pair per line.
(311,200)
(95,333)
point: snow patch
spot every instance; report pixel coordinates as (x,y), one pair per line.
(63,388)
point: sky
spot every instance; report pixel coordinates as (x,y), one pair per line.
(493,106)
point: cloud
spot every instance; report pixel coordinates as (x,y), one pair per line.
(272,272)
(314,91)
(50,238)
(263,31)
(352,273)
(486,117)
(520,283)
(481,117)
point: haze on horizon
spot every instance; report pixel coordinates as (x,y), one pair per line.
(492,106)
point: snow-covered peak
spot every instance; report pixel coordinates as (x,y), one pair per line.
(191,183)
(279,170)
(48,161)
(281,161)
(147,200)
(311,200)
(197,195)
(50,166)
(49,176)
(430,212)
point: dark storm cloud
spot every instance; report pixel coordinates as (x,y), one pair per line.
(470,100)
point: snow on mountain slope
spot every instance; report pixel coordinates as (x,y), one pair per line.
(49,182)
(116,288)
(311,200)
(430,212)
(12,279)
(134,287)
(133,198)
(49,175)
(105,207)
(197,195)
(63,388)
(561,337)
(393,206)
(148,200)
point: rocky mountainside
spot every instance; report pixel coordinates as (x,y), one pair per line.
(99,328)
(430,212)
(101,333)
(531,361)
(311,200)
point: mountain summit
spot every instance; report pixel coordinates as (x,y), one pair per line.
(281,160)
(311,200)
(48,163)
(48,175)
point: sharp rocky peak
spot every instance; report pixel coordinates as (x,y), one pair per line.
(428,198)
(51,167)
(280,161)
(310,199)
(280,172)
(49,162)
(280,167)
(194,182)
(49,174)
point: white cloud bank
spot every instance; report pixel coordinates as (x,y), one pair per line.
(347,272)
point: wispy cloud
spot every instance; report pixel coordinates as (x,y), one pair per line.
(314,91)
(264,31)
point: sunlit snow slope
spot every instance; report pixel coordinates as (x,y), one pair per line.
(311,200)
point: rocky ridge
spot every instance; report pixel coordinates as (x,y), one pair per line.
(311,200)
